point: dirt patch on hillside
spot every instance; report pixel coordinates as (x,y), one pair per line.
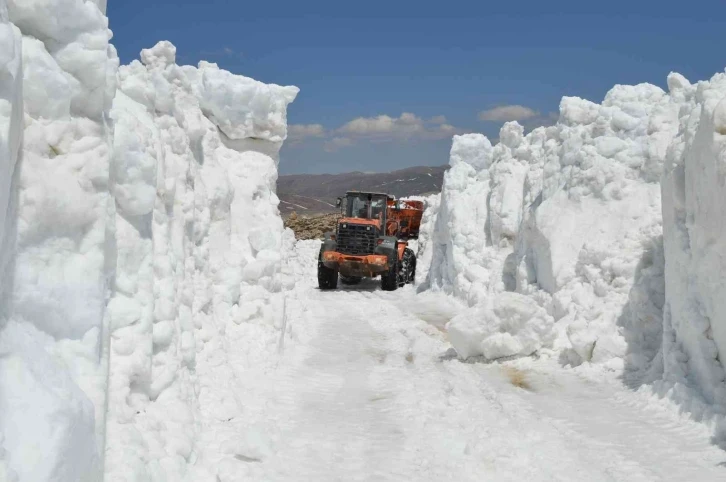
(311,227)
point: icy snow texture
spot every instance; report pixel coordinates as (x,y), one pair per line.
(568,215)
(694,197)
(505,325)
(141,248)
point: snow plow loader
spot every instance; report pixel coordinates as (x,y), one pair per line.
(370,240)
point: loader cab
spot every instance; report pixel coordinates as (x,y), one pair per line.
(366,206)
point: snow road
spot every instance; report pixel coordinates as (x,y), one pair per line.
(365,388)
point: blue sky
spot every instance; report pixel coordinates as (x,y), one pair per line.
(385,84)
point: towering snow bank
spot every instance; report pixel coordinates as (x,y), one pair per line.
(52,367)
(11,118)
(199,242)
(568,215)
(597,227)
(131,260)
(424,245)
(694,197)
(11,112)
(474,234)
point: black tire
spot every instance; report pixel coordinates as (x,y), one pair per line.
(408,266)
(389,279)
(350,280)
(327,277)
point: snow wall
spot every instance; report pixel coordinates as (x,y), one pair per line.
(556,239)
(694,224)
(140,238)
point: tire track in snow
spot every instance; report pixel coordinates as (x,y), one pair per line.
(606,417)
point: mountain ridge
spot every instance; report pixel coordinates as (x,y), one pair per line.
(313,194)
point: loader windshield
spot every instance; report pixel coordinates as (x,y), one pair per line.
(366,206)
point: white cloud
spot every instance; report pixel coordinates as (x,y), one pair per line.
(298,132)
(505,113)
(380,128)
(406,126)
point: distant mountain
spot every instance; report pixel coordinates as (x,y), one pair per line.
(309,194)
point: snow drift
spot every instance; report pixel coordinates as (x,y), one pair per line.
(140,236)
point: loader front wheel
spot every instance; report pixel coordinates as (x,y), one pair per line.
(408,267)
(327,277)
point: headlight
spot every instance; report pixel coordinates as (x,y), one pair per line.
(368,228)
(344,226)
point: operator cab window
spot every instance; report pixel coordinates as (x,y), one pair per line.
(358,208)
(364,208)
(377,207)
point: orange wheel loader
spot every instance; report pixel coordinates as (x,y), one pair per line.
(371,240)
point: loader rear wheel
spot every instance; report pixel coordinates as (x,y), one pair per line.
(327,277)
(350,280)
(389,279)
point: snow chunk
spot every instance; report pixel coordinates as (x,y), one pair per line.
(472,149)
(160,55)
(508,324)
(242,107)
